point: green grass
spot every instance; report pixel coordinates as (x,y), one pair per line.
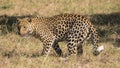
(19,52)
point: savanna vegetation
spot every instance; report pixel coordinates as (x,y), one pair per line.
(20,52)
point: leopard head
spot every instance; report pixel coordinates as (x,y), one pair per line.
(25,26)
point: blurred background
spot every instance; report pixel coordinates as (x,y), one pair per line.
(53,7)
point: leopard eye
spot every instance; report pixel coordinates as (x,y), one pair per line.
(29,20)
(24,27)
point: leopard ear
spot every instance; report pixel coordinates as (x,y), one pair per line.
(19,19)
(29,20)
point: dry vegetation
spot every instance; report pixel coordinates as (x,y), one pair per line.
(19,52)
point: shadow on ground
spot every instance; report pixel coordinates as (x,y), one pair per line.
(10,24)
(107,25)
(106,19)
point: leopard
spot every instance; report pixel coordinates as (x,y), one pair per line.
(72,28)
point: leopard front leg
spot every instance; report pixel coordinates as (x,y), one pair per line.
(46,49)
(47,46)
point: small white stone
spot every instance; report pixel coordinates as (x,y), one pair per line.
(100,48)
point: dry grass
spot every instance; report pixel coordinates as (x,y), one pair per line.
(19,52)
(52,7)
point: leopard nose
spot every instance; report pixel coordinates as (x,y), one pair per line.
(22,35)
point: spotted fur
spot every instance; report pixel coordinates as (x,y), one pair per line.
(73,28)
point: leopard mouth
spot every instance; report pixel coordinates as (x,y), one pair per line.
(27,34)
